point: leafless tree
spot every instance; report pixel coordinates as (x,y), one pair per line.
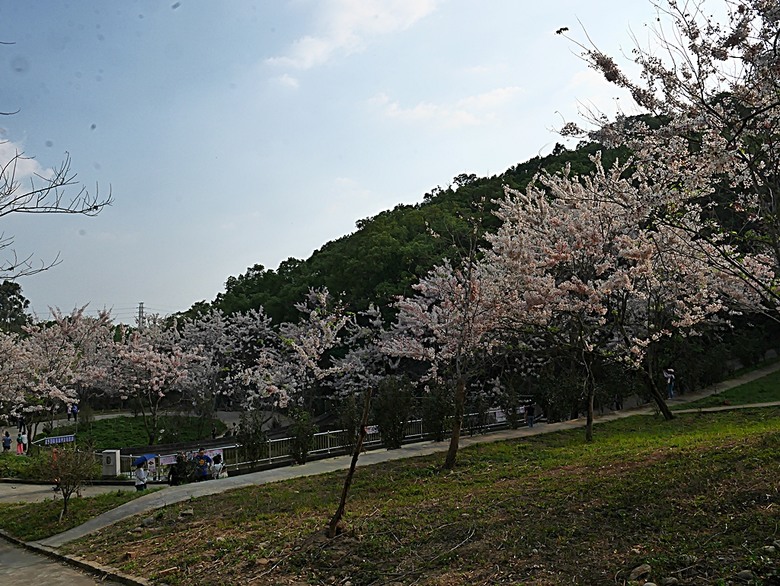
(69,469)
(27,188)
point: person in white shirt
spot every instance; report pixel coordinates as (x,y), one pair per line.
(140,478)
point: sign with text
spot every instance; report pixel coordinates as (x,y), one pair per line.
(59,439)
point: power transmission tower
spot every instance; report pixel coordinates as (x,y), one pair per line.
(140,315)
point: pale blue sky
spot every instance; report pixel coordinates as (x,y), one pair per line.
(243,132)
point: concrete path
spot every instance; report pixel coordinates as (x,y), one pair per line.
(11,492)
(176,494)
(19,566)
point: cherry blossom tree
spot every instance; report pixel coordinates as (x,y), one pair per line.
(308,342)
(288,367)
(258,375)
(150,366)
(447,325)
(582,260)
(711,150)
(61,359)
(207,336)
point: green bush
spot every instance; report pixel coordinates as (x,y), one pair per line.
(13,466)
(436,408)
(302,433)
(392,407)
(253,440)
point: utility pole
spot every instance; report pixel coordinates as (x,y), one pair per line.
(141,315)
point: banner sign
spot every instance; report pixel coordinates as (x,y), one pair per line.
(59,439)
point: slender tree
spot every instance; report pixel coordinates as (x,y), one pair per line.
(357,376)
(70,469)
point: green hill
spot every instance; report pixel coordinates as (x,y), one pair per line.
(390,251)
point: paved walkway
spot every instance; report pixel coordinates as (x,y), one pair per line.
(19,566)
(175,494)
(13,492)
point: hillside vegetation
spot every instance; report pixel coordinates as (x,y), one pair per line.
(390,251)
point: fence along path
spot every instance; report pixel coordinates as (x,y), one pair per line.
(325,444)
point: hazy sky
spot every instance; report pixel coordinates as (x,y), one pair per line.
(244,132)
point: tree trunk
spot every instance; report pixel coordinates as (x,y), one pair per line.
(457,423)
(65,499)
(334,522)
(590,386)
(656,394)
(589,421)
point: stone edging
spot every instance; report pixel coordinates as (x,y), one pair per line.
(98,570)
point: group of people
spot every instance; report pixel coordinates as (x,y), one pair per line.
(21,442)
(199,468)
(72,410)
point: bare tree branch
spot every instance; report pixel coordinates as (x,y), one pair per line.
(26,188)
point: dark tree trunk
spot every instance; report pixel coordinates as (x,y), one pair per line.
(589,421)
(590,388)
(457,423)
(656,393)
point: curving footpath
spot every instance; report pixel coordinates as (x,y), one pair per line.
(176,494)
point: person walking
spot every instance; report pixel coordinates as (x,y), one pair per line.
(19,445)
(669,376)
(140,478)
(529,415)
(7,442)
(24,442)
(203,465)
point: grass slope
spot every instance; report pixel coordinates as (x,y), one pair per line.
(125,431)
(697,498)
(763,390)
(35,521)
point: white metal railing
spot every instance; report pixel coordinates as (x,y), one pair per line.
(278,451)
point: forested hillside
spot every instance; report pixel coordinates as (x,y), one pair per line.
(390,251)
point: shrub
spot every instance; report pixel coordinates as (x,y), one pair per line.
(302,433)
(436,407)
(252,437)
(392,407)
(13,466)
